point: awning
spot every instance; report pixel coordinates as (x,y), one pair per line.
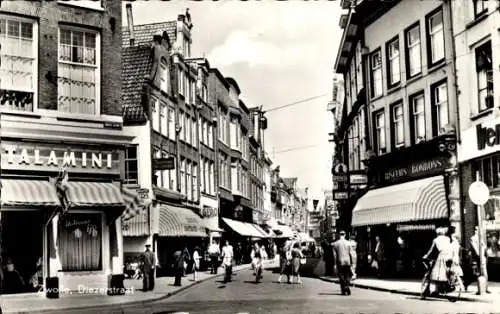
(212,224)
(283,231)
(240,227)
(180,222)
(21,193)
(418,200)
(304,237)
(92,194)
(263,233)
(133,202)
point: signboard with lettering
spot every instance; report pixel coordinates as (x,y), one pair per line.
(54,157)
(342,178)
(487,136)
(358,179)
(340,195)
(167,163)
(415,169)
(479,140)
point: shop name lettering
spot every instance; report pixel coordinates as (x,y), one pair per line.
(94,160)
(487,136)
(74,223)
(413,169)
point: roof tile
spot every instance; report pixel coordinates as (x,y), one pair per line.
(144,33)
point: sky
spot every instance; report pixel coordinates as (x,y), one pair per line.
(279,53)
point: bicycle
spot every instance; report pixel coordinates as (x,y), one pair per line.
(454,283)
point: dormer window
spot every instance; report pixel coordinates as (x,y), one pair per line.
(164,76)
(186,49)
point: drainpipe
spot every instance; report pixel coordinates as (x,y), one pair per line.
(130,22)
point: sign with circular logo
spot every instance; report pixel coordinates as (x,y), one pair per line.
(340,169)
(479,193)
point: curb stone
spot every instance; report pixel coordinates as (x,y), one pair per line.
(125,304)
(412,293)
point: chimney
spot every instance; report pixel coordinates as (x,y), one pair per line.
(130,22)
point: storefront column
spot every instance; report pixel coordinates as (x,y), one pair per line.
(454,197)
(54,261)
(117,252)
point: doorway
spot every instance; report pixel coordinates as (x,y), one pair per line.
(22,245)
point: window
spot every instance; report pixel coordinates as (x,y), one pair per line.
(480,7)
(353,83)
(155,115)
(376,73)
(440,101)
(78,73)
(484,70)
(212,178)
(19,52)
(131,173)
(380,132)
(394,71)
(418,118)
(183,176)
(171,123)
(204,133)
(165,174)
(194,133)
(158,174)
(193,92)
(164,80)
(195,183)
(186,49)
(398,126)
(182,133)
(413,57)
(163,120)
(204,92)
(91,4)
(187,123)
(362,136)
(180,79)
(80,241)
(436,37)
(189,182)
(489,170)
(202,176)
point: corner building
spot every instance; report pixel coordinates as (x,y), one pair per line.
(62,143)
(408,63)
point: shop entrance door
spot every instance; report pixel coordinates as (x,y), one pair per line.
(22,245)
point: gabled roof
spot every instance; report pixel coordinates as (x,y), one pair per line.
(144,33)
(136,62)
(289,182)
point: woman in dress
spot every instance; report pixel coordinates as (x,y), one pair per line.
(285,260)
(296,256)
(455,256)
(442,247)
(196,262)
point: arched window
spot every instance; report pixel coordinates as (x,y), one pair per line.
(164,75)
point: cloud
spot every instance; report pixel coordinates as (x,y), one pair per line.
(243,47)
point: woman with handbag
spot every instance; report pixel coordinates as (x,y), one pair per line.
(297,260)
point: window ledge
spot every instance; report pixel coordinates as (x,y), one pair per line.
(394,88)
(29,114)
(75,4)
(376,98)
(436,66)
(413,78)
(476,116)
(478,19)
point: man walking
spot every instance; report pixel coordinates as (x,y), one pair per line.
(213,253)
(480,268)
(227,261)
(149,262)
(343,258)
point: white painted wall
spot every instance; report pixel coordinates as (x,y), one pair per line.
(142,138)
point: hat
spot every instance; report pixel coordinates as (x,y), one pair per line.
(342,232)
(148,245)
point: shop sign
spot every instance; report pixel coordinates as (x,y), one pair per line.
(416,169)
(190,228)
(143,193)
(46,157)
(340,195)
(167,163)
(487,136)
(358,179)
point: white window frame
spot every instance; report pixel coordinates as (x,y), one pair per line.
(165,181)
(439,106)
(436,36)
(483,77)
(414,46)
(156,155)
(164,76)
(155,115)
(35,45)
(164,119)
(480,4)
(416,116)
(398,125)
(194,178)
(376,74)
(97,68)
(212,178)
(182,133)
(380,131)
(180,75)
(171,123)
(393,54)
(88,4)
(183,176)
(194,133)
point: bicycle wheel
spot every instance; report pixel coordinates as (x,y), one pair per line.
(425,287)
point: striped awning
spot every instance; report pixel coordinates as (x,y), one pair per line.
(93,194)
(180,222)
(19,193)
(417,200)
(137,226)
(212,224)
(133,202)
(261,231)
(283,231)
(240,227)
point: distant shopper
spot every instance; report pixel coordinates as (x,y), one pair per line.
(13,281)
(296,257)
(214,253)
(379,257)
(285,261)
(227,261)
(178,267)
(196,262)
(343,258)
(478,267)
(149,262)
(441,252)
(354,245)
(187,259)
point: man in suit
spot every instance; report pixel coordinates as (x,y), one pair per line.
(343,257)
(149,262)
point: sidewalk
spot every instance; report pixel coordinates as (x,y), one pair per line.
(164,288)
(412,287)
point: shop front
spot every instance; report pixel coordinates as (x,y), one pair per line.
(479,157)
(408,198)
(60,216)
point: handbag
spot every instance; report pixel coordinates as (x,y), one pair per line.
(303,261)
(374,264)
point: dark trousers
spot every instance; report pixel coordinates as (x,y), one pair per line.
(328,268)
(215,263)
(179,272)
(148,280)
(228,271)
(344,274)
